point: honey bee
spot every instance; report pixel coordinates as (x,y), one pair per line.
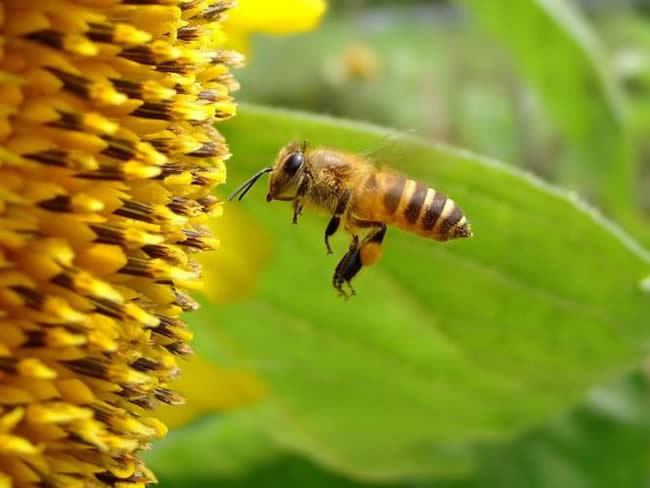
(351,189)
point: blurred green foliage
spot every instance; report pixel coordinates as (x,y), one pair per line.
(510,360)
(603,444)
(570,75)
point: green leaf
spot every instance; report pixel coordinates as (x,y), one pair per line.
(226,446)
(557,50)
(447,345)
(604,443)
(231,451)
(287,471)
(560,55)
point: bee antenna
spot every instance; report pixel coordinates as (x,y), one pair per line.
(248,184)
(305,143)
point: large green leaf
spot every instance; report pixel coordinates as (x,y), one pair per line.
(604,443)
(559,54)
(446,345)
(233,451)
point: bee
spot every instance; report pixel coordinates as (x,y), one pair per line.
(366,199)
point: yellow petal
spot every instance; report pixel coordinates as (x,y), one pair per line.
(209,388)
(14,445)
(233,271)
(5,481)
(277,17)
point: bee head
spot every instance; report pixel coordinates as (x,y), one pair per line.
(287,169)
(285,173)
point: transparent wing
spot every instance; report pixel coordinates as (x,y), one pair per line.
(390,150)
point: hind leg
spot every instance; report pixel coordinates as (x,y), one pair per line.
(347,267)
(360,254)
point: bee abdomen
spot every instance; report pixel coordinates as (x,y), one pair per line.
(415,207)
(442,217)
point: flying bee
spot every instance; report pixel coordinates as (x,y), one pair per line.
(365,198)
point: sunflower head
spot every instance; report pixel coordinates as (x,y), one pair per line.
(108,156)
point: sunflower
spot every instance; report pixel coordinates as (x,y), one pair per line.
(108,158)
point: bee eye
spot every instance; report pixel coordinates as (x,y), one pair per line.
(294,162)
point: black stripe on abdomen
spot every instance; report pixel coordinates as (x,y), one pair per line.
(394,185)
(433,211)
(452,219)
(414,206)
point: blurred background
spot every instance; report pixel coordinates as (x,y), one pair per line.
(560,89)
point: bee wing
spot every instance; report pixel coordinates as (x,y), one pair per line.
(389,150)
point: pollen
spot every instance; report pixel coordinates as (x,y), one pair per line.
(108,159)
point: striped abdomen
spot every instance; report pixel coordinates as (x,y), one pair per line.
(412,206)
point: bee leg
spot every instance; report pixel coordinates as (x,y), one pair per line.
(297,211)
(364,253)
(371,246)
(331,229)
(334,222)
(348,266)
(303,188)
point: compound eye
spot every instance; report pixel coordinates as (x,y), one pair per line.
(294,162)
